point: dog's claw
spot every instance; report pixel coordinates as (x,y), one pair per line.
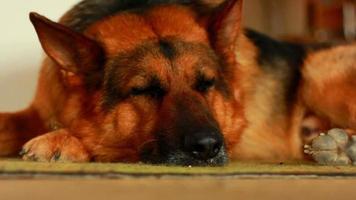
(30,157)
(23,152)
(27,155)
(56,156)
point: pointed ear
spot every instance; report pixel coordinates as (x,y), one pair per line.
(72,51)
(224,28)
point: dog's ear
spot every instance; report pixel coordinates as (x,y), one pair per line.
(224,27)
(72,51)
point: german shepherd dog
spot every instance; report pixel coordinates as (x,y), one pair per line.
(175,82)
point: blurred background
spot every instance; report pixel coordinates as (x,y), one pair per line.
(295,20)
(304,20)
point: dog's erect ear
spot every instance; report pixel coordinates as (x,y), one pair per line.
(224,27)
(71,50)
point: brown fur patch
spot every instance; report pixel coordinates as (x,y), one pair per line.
(329,84)
(268,135)
(125,31)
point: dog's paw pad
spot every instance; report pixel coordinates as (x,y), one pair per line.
(340,136)
(333,148)
(57,146)
(351,152)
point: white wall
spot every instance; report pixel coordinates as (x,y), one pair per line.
(20,52)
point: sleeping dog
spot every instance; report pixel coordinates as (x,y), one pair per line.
(174,82)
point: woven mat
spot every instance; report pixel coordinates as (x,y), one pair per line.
(18,168)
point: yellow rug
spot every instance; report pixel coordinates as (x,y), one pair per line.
(16,167)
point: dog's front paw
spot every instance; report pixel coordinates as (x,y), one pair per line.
(58,146)
(333,148)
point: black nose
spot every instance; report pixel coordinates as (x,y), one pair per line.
(203,146)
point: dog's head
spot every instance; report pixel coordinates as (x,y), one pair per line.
(160,82)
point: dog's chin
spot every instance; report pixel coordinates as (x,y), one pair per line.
(180,158)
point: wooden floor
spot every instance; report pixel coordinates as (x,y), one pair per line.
(239,181)
(179,188)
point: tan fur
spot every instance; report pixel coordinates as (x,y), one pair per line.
(329,84)
(266,136)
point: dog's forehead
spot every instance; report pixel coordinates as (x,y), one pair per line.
(125,31)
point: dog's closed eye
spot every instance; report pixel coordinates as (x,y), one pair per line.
(204,84)
(150,90)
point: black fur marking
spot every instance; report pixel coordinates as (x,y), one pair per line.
(281,60)
(128,64)
(203,84)
(125,66)
(87,12)
(167,49)
(209,58)
(192,118)
(119,71)
(153,89)
(272,51)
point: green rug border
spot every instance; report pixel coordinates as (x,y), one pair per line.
(237,168)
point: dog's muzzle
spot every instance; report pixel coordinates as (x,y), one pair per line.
(198,149)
